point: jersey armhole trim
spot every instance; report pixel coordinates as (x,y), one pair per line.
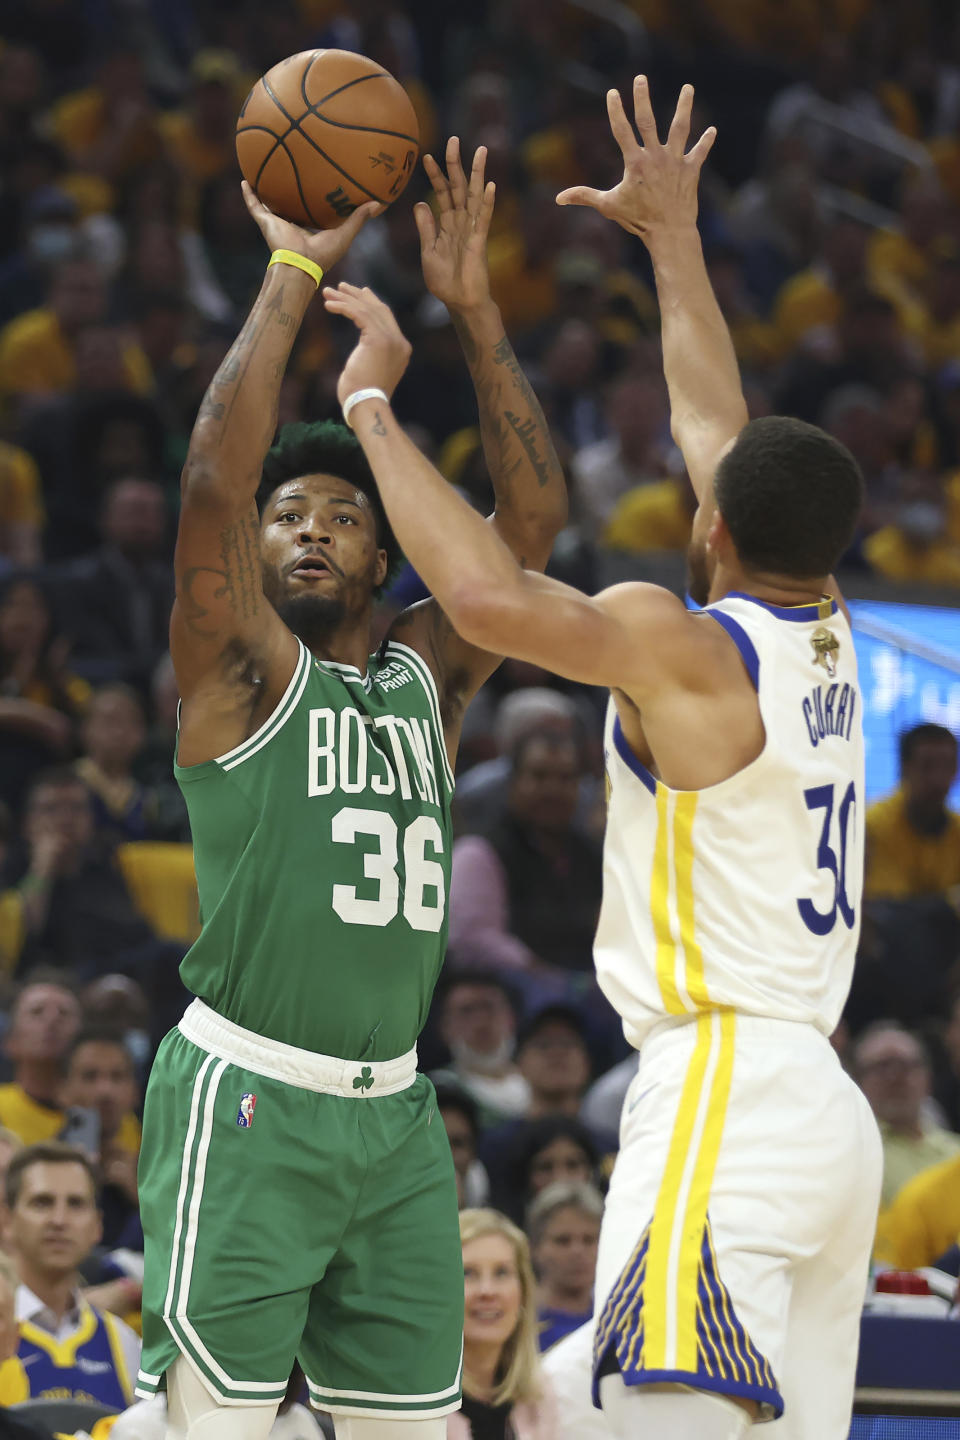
(630,760)
(419,667)
(288,703)
(740,638)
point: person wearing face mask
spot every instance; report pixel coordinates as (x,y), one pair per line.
(916,545)
(505,1393)
(478,1025)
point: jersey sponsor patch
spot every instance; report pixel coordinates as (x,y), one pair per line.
(248,1103)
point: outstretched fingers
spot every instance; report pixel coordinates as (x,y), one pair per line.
(699,152)
(643,112)
(455,176)
(439,182)
(680,125)
(621,127)
(476,187)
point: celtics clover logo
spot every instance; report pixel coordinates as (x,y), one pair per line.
(364,1080)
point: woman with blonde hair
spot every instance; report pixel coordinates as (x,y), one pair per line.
(506,1396)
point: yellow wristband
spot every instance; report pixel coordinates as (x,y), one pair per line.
(290,257)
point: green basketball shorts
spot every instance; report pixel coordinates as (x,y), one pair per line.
(298,1206)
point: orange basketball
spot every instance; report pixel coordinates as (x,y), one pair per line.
(323,132)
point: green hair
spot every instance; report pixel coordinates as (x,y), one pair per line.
(325,447)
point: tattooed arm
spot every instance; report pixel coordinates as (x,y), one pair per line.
(528,483)
(232,654)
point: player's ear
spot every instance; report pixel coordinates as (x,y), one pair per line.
(380,574)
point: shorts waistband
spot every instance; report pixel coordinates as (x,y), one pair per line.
(790,1034)
(326,1074)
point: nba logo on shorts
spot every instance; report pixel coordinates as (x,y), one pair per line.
(248,1103)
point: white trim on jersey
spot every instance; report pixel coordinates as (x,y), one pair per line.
(276,720)
(419,667)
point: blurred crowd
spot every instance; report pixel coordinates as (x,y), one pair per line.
(830,212)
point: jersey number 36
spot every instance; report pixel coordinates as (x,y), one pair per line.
(424,895)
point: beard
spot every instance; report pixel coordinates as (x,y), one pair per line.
(698,576)
(312,618)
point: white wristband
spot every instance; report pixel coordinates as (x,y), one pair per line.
(355,399)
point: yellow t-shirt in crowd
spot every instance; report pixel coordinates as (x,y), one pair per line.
(37,358)
(924,1220)
(891,554)
(34,1122)
(902,863)
(20,489)
(650,517)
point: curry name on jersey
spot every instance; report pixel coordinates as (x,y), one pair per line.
(745,895)
(322,848)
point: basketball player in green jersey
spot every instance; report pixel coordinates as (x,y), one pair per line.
(297,1190)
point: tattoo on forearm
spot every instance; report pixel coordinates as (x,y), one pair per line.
(240,553)
(210,409)
(274,308)
(526,432)
(378,426)
(200,587)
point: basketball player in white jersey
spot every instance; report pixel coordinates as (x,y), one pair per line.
(738,1227)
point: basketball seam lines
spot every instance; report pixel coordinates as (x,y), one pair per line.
(295,125)
(340,124)
(278,144)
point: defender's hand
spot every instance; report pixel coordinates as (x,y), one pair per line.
(453,246)
(659,186)
(380,356)
(323,247)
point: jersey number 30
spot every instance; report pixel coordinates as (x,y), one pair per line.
(820,797)
(424,896)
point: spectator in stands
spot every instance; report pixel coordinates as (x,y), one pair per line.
(482,792)
(78,912)
(915,544)
(563,1227)
(892,1069)
(112,735)
(200,137)
(44,1021)
(38,348)
(40,698)
(913,838)
(118,1004)
(100,1079)
(110,127)
(528,894)
(21,509)
(922,1225)
(461,1120)
(634,454)
(121,594)
(67,1348)
(553,1058)
(504,1391)
(541,1153)
(11,1426)
(478,1025)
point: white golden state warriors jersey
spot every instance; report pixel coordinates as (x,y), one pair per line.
(745,895)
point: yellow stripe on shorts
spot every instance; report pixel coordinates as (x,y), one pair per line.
(670,1297)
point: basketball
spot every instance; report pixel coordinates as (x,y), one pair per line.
(323,132)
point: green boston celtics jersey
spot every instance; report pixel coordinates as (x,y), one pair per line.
(322,849)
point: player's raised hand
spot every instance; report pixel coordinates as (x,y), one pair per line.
(659,185)
(453,244)
(323,247)
(382,351)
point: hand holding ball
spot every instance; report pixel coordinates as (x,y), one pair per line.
(324,132)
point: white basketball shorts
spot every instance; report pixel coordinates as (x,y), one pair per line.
(738,1228)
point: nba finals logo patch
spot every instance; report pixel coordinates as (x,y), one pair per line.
(248,1103)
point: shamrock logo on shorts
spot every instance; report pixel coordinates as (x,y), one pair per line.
(364,1080)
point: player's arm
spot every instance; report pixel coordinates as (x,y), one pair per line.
(528,482)
(632,635)
(222,627)
(657,200)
